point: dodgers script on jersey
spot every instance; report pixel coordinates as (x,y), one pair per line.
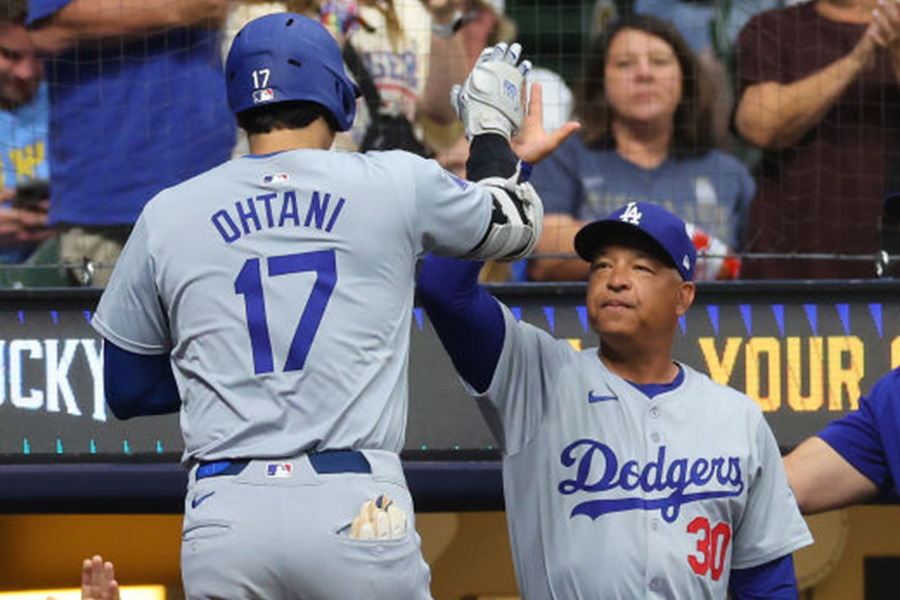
(614,495)
(267,238)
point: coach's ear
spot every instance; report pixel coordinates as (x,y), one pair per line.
(686,293)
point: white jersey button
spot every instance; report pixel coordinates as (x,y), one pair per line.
(654,437)
(654,412)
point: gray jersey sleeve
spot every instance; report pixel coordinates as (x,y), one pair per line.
(771,525)
(130,313)
(452,215)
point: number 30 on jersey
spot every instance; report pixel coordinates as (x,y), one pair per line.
(712,547)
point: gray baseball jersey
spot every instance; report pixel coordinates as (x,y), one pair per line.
(283,287)
(614,495)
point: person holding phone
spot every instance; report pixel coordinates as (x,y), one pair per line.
(23,135)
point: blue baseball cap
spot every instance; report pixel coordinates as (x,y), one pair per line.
(649,221)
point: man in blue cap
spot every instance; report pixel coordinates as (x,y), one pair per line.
(625,473)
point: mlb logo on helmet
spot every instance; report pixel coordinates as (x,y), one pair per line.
(279,470)
(266,95)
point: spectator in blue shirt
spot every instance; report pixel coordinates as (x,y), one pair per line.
(23,138)
(645,108)
(137,104)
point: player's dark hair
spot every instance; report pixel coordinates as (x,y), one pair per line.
(295,114)
(13,12)
(692,134)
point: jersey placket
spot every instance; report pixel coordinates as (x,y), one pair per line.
(653,574)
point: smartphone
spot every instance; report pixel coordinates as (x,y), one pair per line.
(30,194)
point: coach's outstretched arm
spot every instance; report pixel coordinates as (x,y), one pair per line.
(491,105)
(466,318)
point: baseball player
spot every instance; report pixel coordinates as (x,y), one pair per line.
(273,296)
(853,459)
(626,474)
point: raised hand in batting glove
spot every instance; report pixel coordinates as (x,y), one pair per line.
(491,99)
(379,519)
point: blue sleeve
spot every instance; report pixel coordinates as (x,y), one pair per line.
(39,9)
(138,384)
(857,436)
(467,319)
(774,580)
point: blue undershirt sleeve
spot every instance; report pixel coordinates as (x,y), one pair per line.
(467,319)
(774,580)
(857,436)
(138,384)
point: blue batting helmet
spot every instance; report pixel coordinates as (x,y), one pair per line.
(283,57)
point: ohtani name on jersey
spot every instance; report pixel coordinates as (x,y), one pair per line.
(267,211)
(688,481)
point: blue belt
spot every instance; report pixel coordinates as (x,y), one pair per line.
(324,463)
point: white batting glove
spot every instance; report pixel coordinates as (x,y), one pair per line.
(491,100)
(379,519)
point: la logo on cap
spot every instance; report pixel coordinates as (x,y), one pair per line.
(632,214)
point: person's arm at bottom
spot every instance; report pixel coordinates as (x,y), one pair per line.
(824,480)
(467,319)
(138,384)
(774,580)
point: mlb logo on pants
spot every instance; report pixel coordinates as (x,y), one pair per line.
(279,470)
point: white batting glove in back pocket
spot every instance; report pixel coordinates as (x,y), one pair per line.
(379,519)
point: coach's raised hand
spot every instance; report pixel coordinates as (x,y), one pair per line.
(532,143)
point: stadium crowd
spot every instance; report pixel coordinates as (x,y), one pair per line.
(770,126)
